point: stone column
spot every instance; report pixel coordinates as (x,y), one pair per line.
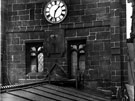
(118,39)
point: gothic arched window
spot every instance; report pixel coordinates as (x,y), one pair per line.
(34,57)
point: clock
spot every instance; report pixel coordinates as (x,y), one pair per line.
(55,11)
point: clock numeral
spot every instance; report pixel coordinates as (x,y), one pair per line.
(53,19)
(47,9)
(63,12)
(58,2)
(48,16)
(49,6)
(61,17)
(61,4)
(47,13)
(53,3)
(58,19)
(63,8)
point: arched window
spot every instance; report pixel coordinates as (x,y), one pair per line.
(34,57)
(76,57)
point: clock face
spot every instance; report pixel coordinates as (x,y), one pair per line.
(55,11)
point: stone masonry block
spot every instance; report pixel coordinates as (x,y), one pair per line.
(78,25)
(23,28)
(106,22)
(19,6)
(115,5)
(16,58)
(34,22)
(118,72)
(38,11)
(92,37)
(14,18)
(24,17)
(74,2)
(37,28)
(107,45)
(116,78)
(15,40)
(89,1)
(11,1)
(98,46)
(75,19)
(34,35)
(92,5)
(10,7)
(95,63)
(95,10)
(98,23)
(38,16)
(115,21)
(115,51)
(30,28)
(12,13)
(32,14)
(70,33)
(101,1)
(98,29)
(31,6)
(117,12)
(88,18)
(16,29)
(108,10)
(17,48)
(102,17)
(103,35)
(83,32)
(115,37)
(104,4)
(88,24)
(75,13)
(115,65)
(23,12)
(22,1)
(39,5)
(78,7)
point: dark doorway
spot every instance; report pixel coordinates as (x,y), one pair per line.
(76,57)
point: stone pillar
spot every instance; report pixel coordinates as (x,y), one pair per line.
(118,39)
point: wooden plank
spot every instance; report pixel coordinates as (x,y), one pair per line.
(31,96)
(9,97)
(76,92)
(66,95)
(95,97)
(58,98)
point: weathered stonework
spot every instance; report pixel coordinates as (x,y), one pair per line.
(100,22)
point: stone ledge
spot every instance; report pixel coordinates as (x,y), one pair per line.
(22,81)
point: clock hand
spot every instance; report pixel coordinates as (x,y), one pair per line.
(56,10)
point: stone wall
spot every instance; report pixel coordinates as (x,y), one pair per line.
(3,26)
(101,22)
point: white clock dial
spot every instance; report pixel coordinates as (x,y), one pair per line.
(55,11)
